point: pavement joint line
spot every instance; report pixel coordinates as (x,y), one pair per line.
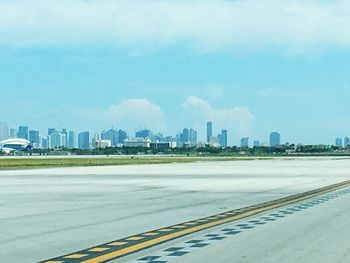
(140,241)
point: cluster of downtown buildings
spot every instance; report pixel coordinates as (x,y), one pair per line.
(64,138)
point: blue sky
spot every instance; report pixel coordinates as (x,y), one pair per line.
(168,65)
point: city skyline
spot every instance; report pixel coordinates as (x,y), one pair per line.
(187,137)
(80,72)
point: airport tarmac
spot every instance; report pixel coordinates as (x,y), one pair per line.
(50,212)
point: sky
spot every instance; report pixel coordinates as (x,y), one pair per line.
(249,66)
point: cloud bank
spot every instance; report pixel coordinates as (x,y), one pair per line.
(207,24)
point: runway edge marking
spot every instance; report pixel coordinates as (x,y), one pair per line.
(128,245)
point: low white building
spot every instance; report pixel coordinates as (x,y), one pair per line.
(139,142)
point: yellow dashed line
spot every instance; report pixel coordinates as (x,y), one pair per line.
(191,224)
(166,230)
(98,249)
(179,226)
(117,243)
(134,238)
(76,256)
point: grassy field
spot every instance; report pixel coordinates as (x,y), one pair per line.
(42,162)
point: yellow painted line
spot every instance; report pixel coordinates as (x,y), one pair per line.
(166,230)
(98,249)
(170,236)
(117,243)
(150,234)
(179,226)
(136,238)
(191,224)
(75,256)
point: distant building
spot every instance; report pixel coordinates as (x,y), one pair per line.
(346,142)
(71,140)
(188,138)
(339,142)
(146,134)
(84,140)
(4,131)
(44,143)
(23,132)
(34,138)
(209,131)
(222,138)
(138,142)
(161,146)
(122,136)
(275,139)
(57,140)
(103,143)
(245,142)
(13,133)
(51,131)
(110,135)
(256,143)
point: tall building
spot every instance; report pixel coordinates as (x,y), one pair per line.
(188,138)
(275,139)
(84,140)
(13,133)
(209,131)
(51,131)
(222,138)
(23,132)
(4,131)
(65,133)
(71,140)
(245,142)
(34,138)
(110,135)
(44,143)
(146,134)
(56,140)
(339,142)
(346,142)
(122,136)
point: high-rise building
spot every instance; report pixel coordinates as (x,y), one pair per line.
(23,132)
(339,142)
(65,133)
(44,143)
(245,142)
(84,140)
(110,135)
(209,131)
(122,136)
(146,134)
(34,138)
(346,142)
(13,133)
(56,140)
(275,139)
(71,140)
(222,138)
(4,131)
(51,131)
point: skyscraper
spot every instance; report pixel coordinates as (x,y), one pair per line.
(146,134)
(209,131)
(23,132)
(84,140)
(51,131)
(4,131)
(13,133)
(71,140)
(222,138)
(275,139)
(245,142)
(34,138)
(346,142)
(339,142)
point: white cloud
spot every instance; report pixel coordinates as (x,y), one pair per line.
(130,114)
(238,120)
(208,24)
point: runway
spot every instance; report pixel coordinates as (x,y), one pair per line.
(52,212)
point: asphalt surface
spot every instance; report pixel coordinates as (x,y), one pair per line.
(51,212)
(318,232)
